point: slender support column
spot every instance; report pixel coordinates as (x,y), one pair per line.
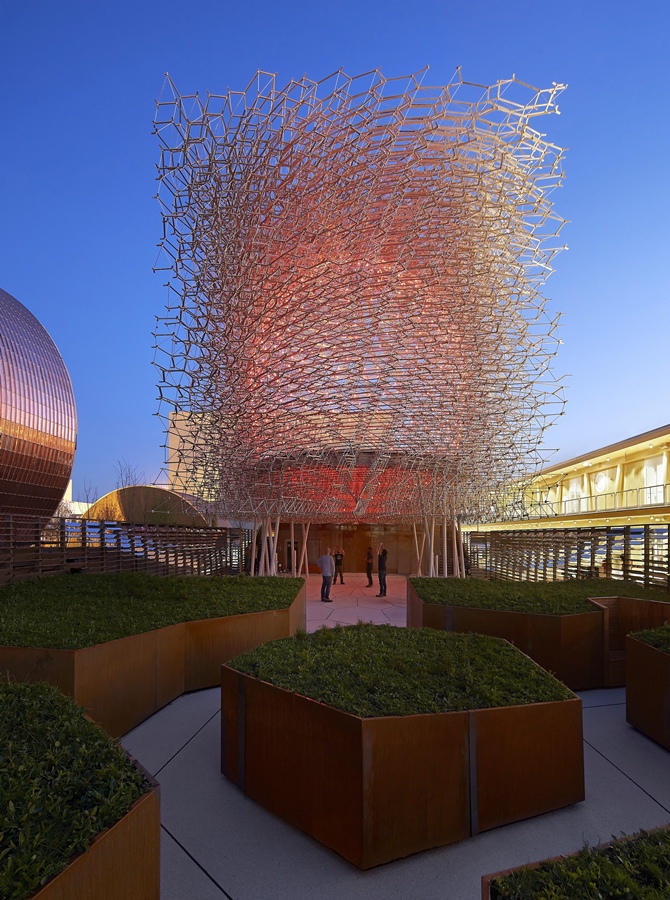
(427,533)
(303,551)
(262,570)
(291,551)
(275,544)
(252,564)
(454,549)
(269,543)
(430,531)
(461,552)
(416,548)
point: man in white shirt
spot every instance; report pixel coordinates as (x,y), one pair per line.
(327,565)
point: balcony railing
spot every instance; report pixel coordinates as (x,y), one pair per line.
(633,498)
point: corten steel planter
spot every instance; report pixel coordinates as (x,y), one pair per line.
(648,690)
(123,861)
(378,789)
(121,683)
(622,615)
(571,647)
(487,880)
(491,877)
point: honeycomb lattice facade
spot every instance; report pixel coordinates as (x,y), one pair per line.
(38,419)
(355,329)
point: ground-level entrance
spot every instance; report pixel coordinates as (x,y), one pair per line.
(398,540)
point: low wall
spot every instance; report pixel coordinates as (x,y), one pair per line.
(571,647)
(648,690)
(121,683)
(122,862)
(346,780)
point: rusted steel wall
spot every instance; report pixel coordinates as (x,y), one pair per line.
(648,690)
(347,781)
(530,759)
(571,647)
(209,642)
(122,862)
(121,683)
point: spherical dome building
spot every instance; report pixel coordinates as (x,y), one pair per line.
(38,418)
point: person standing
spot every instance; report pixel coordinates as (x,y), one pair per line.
(382,553)
(368,565)
(339,564)
(327,565)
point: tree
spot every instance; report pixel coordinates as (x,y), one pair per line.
(127,474)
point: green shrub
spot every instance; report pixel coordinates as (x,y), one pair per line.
(633,868)
(656,637)
(378,670)
(559,598)
(68,612)
(62,781)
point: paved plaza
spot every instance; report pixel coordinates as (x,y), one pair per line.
(217,843)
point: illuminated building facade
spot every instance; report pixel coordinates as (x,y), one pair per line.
(38,418)
(355,330)
(602,514)
(622,483)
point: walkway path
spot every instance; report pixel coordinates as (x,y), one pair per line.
(354,602)
(216,843)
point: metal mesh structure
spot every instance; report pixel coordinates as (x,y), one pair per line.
(355,329)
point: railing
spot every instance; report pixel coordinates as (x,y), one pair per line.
(637,553)
(32,547)
(633,498)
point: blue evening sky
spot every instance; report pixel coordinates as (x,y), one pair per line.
(78,80)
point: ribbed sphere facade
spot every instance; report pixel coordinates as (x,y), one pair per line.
(38,417)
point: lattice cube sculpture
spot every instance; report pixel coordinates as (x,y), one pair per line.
(355,329)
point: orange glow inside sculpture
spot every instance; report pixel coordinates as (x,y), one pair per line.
(355,328)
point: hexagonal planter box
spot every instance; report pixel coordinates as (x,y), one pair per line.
(648,690)
(569,646)
(591,869)
(67,769)
(123,861)
(122,682)
(375,789)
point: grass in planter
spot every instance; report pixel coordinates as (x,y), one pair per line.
(635,868)
(68,612)
(62,781)
(552,597)
(656,637)
(379,670)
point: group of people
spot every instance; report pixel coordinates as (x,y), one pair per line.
(332,565)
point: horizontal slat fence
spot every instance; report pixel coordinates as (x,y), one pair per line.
(34,547)
(637,553)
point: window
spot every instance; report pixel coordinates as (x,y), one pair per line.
(654,474)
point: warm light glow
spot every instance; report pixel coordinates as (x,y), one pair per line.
(356,330)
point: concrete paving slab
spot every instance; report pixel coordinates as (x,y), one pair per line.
(317,611)
(644,761)
(349,615)
(603,697)
(181,877)
(369,602)
(396,616)
(157,740)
